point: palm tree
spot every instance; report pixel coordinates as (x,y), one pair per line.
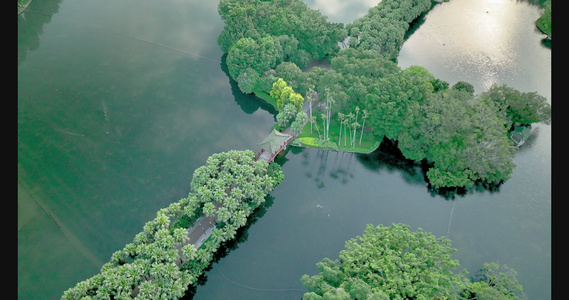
(189,252)
(323,116)
(231,203)
(309,96)
(341,116)
(350,118)
(162,220)
(329,104)
(204,255)
(209,209)
(230,231)
(356,121)
(355,125)
(223,214)
(180,235)
(313,121)
(240,219)
(364,117)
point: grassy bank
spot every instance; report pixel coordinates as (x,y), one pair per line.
(312,139)
(263,95)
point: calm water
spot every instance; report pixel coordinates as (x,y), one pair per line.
(120,101)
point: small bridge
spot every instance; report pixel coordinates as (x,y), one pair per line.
(276,141)
(272,145)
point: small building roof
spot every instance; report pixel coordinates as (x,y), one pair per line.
(274,141)
(520,134)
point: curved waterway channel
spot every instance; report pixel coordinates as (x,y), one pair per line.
(120,101)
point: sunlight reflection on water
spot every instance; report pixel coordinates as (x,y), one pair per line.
(479,45)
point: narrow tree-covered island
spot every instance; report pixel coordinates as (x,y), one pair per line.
(162,261)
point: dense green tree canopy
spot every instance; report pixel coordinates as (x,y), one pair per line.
(544,21)
(383,28)
(284,94)
(260,56)
(519,107)
(160,263)
(293,76)
(396,263)
(463,136)
(291,18)
(391,261)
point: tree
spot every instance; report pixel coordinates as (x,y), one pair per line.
(292,53)
(544,21)
(324,118)
(209,209)
(364,117)
(383,28)
(180,235)
(495,282)
(260,56)
(286,116)
(223,214)
(249,81)
(309,96)
(313,122)
(293,76)
(284,94)
(355,125)
(329,102)
(464,86)
(151,262)
(345,123)
(399,263)
(189,252)
(518,107)
(299,122)
(341,116)
(349,121)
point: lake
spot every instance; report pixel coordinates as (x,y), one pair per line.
(120,101)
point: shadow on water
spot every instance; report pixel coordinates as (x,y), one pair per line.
(249,103)
(38,13)
(388,157)
(546,42)
(318,160)
(415,24)
(228,246)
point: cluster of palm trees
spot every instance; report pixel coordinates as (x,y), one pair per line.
(351,120)
(162,262)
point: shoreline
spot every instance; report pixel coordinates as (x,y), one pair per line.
(23,6)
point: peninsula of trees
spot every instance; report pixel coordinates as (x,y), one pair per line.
(161,262)
(461,136)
